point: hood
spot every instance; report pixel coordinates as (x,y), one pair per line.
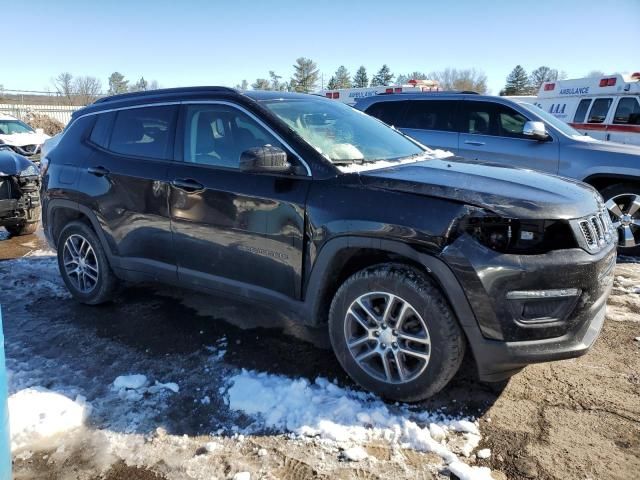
(507,191)
(12,164)
(607,147)
(22,139)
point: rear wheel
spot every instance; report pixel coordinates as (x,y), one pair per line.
(623,203)
(84,265)
(394,333)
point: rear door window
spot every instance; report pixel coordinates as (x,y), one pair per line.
(581,111)
(627,112)
(144,132)
(479,118)
(430,115)
(599,110)
(389,112)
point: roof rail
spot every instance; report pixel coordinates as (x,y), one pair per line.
(162,91)
(433,92)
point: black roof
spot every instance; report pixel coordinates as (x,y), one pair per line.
(164,92)
(260,95)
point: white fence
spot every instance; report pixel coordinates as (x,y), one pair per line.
(61,113)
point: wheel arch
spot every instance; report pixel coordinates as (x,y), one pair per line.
(60,212)
(341,257)
(600,181)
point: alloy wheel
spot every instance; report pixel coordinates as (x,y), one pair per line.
(387,337)
(80,263)
(624,210)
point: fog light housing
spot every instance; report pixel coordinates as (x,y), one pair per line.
(531,307)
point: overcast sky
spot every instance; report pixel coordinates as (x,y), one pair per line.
(222,42)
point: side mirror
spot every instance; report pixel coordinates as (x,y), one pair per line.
(266,159)
(535,130)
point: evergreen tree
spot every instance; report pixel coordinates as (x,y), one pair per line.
(361,79)
(333,84)
(276,84)
(541,75)
(305,76)
(140,86)
(342,77)
(117,83)
(261,84)
(383,77)
(517,82)
(244,85)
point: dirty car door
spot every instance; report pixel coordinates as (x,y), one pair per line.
(230,226)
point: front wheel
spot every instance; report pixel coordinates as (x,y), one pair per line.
(394,333)
(623,203)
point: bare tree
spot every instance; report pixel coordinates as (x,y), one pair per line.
(153,85)
(63,84)
(468,79)
(86,89)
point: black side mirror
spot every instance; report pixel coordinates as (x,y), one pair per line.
(265,159)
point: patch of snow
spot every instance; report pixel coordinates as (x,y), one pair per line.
(366,166)
(355,454)
(484,453)
(37,414)
(41,253)
(262,452)
(132,382)
(242,476)
(340,415)
(211,446)
(165,386)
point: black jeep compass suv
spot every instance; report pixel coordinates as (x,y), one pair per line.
(307,205)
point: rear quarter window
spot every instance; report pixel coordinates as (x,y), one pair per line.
(102,129)
(389,112)
(430,115)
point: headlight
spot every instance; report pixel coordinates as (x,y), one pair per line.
(508,235)
(30,171)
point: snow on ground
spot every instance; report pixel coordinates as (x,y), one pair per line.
(38,415)
(323,409)
(93,398)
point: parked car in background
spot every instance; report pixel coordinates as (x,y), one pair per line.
(606,108)
(19,193)
(498,130)
(20,137)
(309,206)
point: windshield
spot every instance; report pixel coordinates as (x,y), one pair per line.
(9,127)
(568,130)
(341,133)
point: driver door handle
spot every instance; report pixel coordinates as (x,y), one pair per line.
(474,142)
(98,171)
(187,184)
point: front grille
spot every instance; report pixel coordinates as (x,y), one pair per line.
(596,230)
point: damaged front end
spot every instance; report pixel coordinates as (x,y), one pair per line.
(19,192)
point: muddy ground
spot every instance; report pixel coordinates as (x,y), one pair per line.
(575,419)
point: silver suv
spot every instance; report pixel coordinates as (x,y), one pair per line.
(498,130)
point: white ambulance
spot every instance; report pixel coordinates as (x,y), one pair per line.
(351,95)
(606,108)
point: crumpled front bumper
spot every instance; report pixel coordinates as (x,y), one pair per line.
(503,343)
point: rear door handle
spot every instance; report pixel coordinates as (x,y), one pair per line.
(474,142)
(98,171)
(187,184)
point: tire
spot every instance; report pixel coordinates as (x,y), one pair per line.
(95,265)
(623,195)
(28,227)
(427,307)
